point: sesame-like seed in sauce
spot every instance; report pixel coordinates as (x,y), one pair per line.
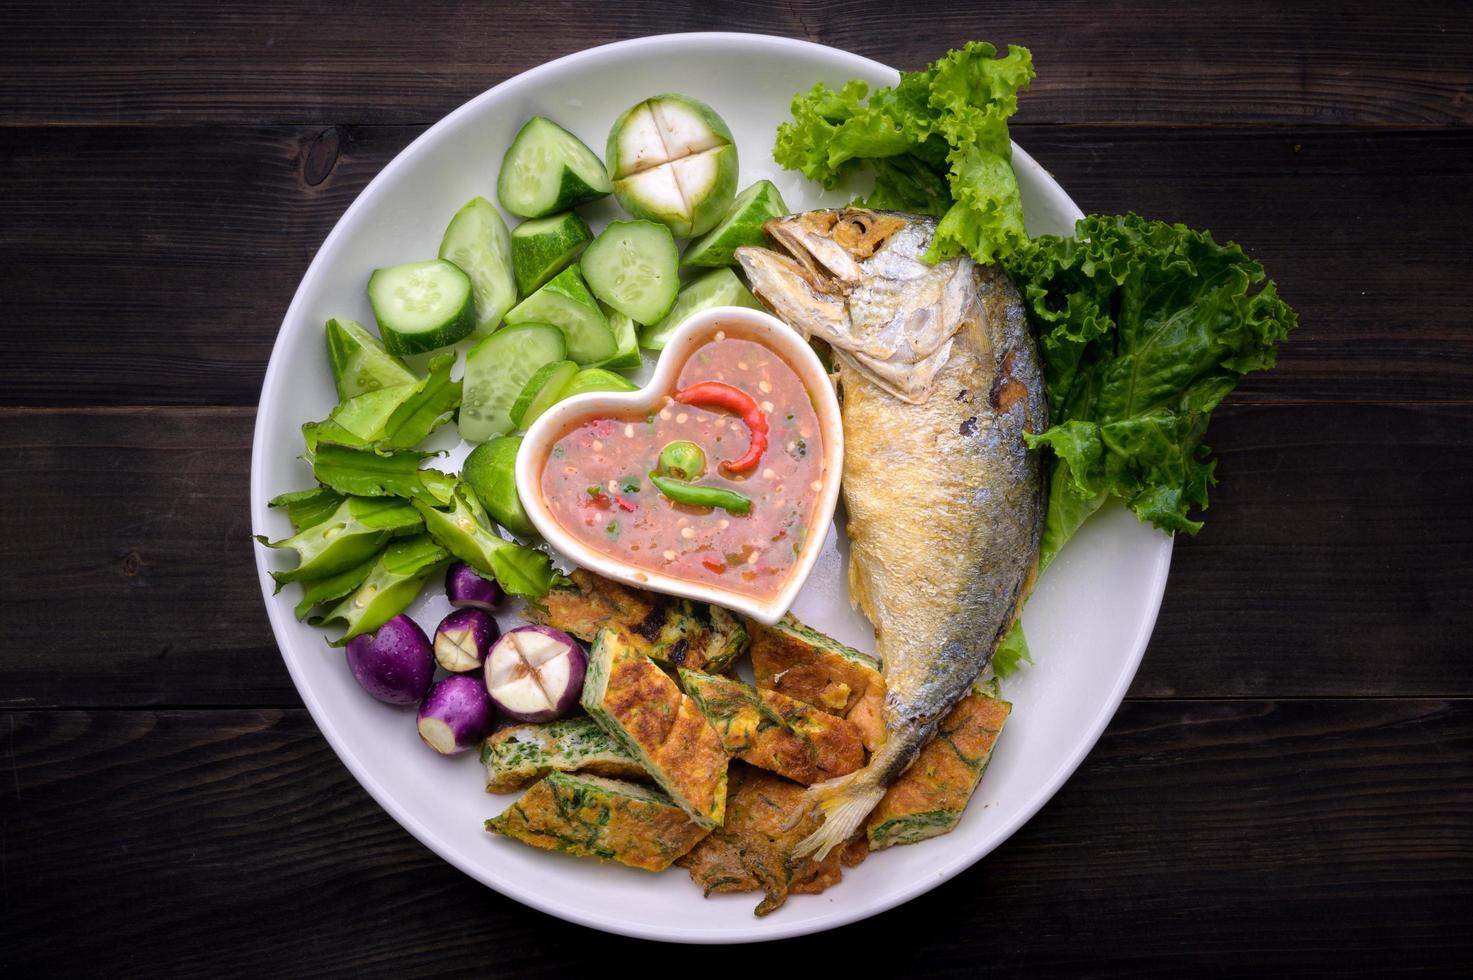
(613,486)
(754,557)
(764,386)
(769,474)
(688,533)
(629,430)
(720,335)
(682,522)
(723,524)
(665,414)
(669,555)
(682,418)
(741,365)
(816,486)
(805,433)
(768,407)
(598,446)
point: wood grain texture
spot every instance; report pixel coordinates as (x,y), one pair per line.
(381,62)
(194,240)
(1336,560)
(253,851)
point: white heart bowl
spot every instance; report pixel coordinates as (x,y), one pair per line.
(695,331)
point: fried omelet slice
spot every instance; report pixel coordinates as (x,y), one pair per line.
(928,799)
(605,819)
(750,852)
(637,703)
(518,756)
(678,632)
(775,732)
(802,663)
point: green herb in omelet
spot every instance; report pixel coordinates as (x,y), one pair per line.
(937,143)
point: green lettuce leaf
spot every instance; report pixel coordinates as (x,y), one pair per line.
(937,144)
(1145,326)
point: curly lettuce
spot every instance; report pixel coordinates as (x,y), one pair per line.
(937,144)
(1144,327)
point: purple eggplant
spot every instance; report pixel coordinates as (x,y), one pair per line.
(535,673)
(464,638)
(395,663)
(456,715)
(468,589)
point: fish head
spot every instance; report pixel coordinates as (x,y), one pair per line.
(856,279)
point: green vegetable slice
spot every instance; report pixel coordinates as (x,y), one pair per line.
(566,303)
(742,226)
(543,390)
(467,533)
(490,472)
(496,371)
(477,242)
(548,169)
(391,585)
(359,361)
(719,288)
(422,306)
(633,266)
(543,247)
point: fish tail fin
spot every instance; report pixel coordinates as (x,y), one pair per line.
(843,803)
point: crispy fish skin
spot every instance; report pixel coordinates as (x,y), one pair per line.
(929,798)
(679,632)
(605,819)
(802,663)
(776,732)
(752,851)
(940,378)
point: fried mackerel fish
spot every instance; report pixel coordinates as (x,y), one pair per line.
(675,631)
(518,756)
(802,663)
(637,703)
(776,732)
(752,851)
(929,798)
(606,819)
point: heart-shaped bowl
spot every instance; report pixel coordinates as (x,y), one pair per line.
(694,333)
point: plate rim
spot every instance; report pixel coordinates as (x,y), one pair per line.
(762,930)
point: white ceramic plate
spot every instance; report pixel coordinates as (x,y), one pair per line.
(1087,623)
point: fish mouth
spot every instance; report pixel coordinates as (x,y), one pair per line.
(855,279)
(824,248)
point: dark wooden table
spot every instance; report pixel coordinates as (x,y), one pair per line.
(1288,787)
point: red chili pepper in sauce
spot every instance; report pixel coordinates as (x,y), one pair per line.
(715,394)
(625,504)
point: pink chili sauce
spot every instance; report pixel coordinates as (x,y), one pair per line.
(596,478)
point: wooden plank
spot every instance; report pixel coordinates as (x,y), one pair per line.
(155,265)
(378,62)
(1336,560)
(1322,837)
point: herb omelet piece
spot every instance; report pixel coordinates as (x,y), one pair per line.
(518,756)
(802,663)
(638,704)
(928,799)
(775,732)
(605,819)
(675,631)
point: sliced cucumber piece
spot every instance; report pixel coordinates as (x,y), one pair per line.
(673,161)
(491,471)
(548,169)
(497,369)
(422,306)
(566,303)
(543,247)
(626,336)
(477,241)
(596,379)
(543,390)
(719,288)
(742,226)
(359,361)
(634,267)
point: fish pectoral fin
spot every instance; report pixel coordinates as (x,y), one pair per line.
(843,803)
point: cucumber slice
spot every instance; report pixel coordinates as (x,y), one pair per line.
(673,161)
(548,169)
(626,336)
(360,363)
(719,288)
(742,226)
(633,266)
(497,369)
(543,390)
(596,379)
(566,303)
(543,247)
(491,471)
(422,306)
(480,246)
